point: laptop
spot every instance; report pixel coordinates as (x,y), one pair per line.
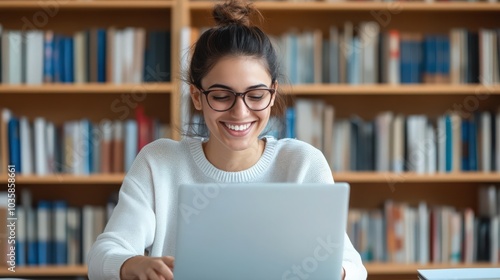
(263,231)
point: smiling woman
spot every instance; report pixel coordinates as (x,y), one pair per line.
(233,85)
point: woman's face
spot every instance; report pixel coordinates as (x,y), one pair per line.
(238,128)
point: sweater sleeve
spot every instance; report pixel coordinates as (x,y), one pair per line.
(130,229)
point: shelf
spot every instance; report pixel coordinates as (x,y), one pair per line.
(100,4)
(67,179)
(351,177)
(46,271)
(373,269)
(384,177)
(90,88)
(403,90)
(396,268)
(362,6)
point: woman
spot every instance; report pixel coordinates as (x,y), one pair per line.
(233,83)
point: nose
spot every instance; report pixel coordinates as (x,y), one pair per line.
(239,109)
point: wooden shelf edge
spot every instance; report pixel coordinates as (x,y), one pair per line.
(91,88)
(47,271)
(100,4)
(378,89)
(361,6)
(396,268)
(406,177)
(62,179)
(350,177)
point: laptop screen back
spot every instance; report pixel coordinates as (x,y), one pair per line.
(261,231)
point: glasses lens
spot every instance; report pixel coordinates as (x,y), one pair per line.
(223,100)
(220,100)
(258,99)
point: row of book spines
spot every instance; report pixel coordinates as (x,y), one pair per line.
(400,233)
(392,57)
(77,147)
(456,140)
(96,55)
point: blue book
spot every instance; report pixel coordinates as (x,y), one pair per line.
(130,143)
(43,232)
(430,56)
(405,61)
(48,57)
(60,248)
(473,145)
(449,143)
(465,145)
(101,55)
(290,122)
(14,143)
(68,60)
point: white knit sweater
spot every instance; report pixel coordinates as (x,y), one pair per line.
(145,216)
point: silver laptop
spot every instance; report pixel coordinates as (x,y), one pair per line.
(261,231)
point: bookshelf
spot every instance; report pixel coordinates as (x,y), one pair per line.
(369,189)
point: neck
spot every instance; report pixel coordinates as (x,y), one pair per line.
(233,161)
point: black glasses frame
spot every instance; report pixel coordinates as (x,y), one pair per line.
(236,94)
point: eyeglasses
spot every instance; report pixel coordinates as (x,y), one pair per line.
(222,100)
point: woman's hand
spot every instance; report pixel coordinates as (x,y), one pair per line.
(148,268)
(342,275)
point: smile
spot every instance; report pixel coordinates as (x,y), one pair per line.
(240,127)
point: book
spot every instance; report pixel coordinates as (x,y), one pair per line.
(459,273)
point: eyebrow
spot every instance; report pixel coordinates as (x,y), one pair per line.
(226,87)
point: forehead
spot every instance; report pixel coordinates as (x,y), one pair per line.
(238,72)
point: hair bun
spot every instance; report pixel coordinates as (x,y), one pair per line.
(233,12)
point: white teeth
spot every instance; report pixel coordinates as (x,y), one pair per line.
(238,127)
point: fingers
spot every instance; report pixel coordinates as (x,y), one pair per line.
(169,261)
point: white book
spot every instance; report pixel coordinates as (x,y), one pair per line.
(431,149)
(51,147)
(80,57)
(423,233)
(118,57)
(369,41)
(383,141)
(128,55)
(398,140)
(495,239)
(469,238)
(138,58)
(12,45)
(328,124)
(87,230)
(33,57)
(40,139)
(308,125)
(25,133)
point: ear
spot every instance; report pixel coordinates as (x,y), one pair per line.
(274,86)
(196,97)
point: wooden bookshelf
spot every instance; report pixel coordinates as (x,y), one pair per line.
(163,100)
(90,88)
(46,271)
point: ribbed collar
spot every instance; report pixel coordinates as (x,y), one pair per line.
(195,146)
